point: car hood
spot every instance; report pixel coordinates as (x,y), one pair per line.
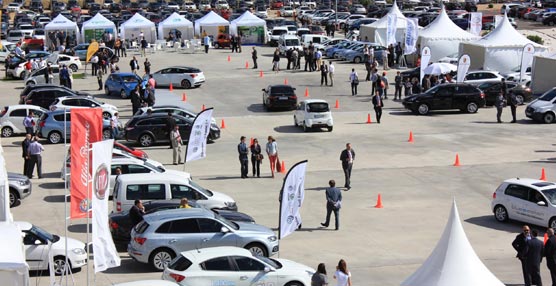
(14,176)
(255,228)
(72,244)
(176,172)
(288,265)
(109,106)
(221,197)
(416,96)
(540,104)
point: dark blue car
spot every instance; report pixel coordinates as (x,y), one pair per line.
(121,83)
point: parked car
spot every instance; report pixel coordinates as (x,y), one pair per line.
(478,77)
(108,110)
(52,127)
(44,97)
(29,88)
(519,198)
(179,76)
(492,89)
(74,63)
(279,96)
(122,83)
(19,187)
(39,76)
(6,49)
(445,97)
(222,41)
(148,282)
(549,20)
(286,11)
(234,264)
(195,229)
(120,223)
(543,109)
(174,109)
(37,243)
(287,42)
(313,113)
(11,118)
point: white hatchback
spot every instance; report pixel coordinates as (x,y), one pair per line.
(11,118)
(313,113)
(527,200)
(69,102)
(477,78)
(234,266)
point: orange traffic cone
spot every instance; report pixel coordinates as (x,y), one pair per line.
(229,58)
(456,163)
(223,125)
(203,107)
(285,81)
(337,104)
(379,202)
(171,87)
(283,167)
(369,118)
(261,74)
(410,140)
(246,64)
(306,92)
(251,143)
(184,97)
(543,175)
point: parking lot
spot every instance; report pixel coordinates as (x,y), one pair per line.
(416,180)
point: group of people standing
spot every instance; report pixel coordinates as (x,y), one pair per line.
(31,148)
(342,275)
(257,157)
(503,99)
(531,250)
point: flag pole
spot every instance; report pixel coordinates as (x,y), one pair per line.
(88,202)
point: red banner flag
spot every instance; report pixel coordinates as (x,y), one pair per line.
(86,128)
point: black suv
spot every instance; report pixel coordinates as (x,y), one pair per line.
(550,20)
(36,6)
(46,96)
(29,88)
(279,96)
(492,89)
(464,97)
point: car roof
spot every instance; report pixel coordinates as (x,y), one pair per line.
(148,283)
(178,213)
(76,97)
(123,74)
(314,100)
(141,178)
(280,85)
(23,225)
(209,252)
(534,183)
(26,106)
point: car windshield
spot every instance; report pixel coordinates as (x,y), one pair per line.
(548,96)
(281,90)
(550,194)
(318,107)
(227,222)
(278,32)
(42,234)
(292,42)
(130,79)
(274,263)
(200,189)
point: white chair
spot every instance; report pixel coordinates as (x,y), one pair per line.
(134,46)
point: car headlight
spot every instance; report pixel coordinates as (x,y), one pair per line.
(78,251)
(230,204)
(272,238)
(214,127)
(22,182)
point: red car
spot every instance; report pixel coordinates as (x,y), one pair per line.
(133,151)
(277,4)
(222,41)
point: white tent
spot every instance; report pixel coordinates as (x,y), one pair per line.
(175,22)
(251,27)
(453,262)
(443,37)
(63,24)
(376,32)
(542,75)
(132,28)
(500,50)
(212,24)
(95,28)
(14,271)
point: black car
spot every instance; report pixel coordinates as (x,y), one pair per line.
(28,88)
(45,97)
(411,74)
(115,8)
(279,96)
(464,97)
(154,7)
(150,129)
(120,224)
(94,8)
(36,6)
(550,20)
(492,89)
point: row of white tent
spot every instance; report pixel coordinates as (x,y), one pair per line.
(252,27)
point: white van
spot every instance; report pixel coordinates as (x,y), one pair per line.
(316,39)
(287,42)
(165,186)
(313,113)
(275,34)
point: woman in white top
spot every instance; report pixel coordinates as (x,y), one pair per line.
(354,79)
(342,274)
(272,152)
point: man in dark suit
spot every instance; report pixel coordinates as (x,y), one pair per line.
(550,254)
(347,156)
(25,154)
(333,204)
(136,212)
(243,159)
(534,259)
(377,105)
(521,245)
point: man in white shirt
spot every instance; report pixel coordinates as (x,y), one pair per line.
(331,69)
(94,62)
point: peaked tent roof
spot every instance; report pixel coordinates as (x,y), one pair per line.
(60,22)
(453,262)
(175,20)
(210,20)
(383,22)
(138,21)
(443,28)
(98,22)
(248,19)
(505,35)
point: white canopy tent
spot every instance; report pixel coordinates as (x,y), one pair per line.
(542,75)
(500,50)
(377,31)
(95,28)
(175,22)
(453,262)
(62,24)
(212,24)
(443,37)
(132,28)
(14,271)
(251,27)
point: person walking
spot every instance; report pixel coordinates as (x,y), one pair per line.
(99,79)
(243,161)
(342,274)
(333,204)
(272,152)
(499,104)
(94,64)
(323,74)
(134,65)
(136,212)
(377,105)
(29,123)
(521,245)
(379,86)
(34,153)
(534,258)
(276,61)
(550,254)
(408,87)
(25,153)
(319,278)
(147,66)
(512,101)
(254,57)
(136,100)
(144,46)
(347,156)
(398,86)
(331,70)
(176,145)
(170,126)
(206,43)
(256,158)
(354,80)
(384,84)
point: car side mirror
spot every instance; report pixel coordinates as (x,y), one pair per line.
(38,242)
(224,229)
(267,269)
(541,203)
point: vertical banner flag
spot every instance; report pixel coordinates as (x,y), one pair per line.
(498,20)
(476,24)
(425,59)
(391,29)
(291,199)
(105,253)
(526,60)
(86,128)
(463,66)
(93,48)
(411,35)
(197,144)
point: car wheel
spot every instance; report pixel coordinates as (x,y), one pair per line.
(30,82)
(160,258)
(22,75)
(216,46)
(548,117)
(294,283)
(294,122)
(60,265)
(185,84)
(146,140)
(14,198)
(55,137)
(73,67)
(423,109)
(106,90)
(330,128)
(106,134)
(357,60)
(123,94)
(106,115)
(7,131)
(257,249)
(472,107)
(500,213)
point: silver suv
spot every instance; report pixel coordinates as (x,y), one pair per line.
(543,109)
(160,236)
(20,187)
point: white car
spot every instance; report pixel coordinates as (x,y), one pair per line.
(286,11)
(7,48)
(217,266)
(14,36)
(70,61)
(222,4)
(310,4)
(26,29)
(69,102)
(352,18)
(148,283)
(12,117)
(39,34)
(189,6)
(515,74)
(204,5)
(526,200)
(261,12)
(328,43)
(313,113)
(477,78)
(35,240)
(14,7)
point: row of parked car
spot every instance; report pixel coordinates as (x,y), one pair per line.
(546,16)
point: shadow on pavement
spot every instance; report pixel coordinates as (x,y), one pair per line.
(489,221)
(130,266)
(54,185)
(55,199)
(78,228)
(289,129)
